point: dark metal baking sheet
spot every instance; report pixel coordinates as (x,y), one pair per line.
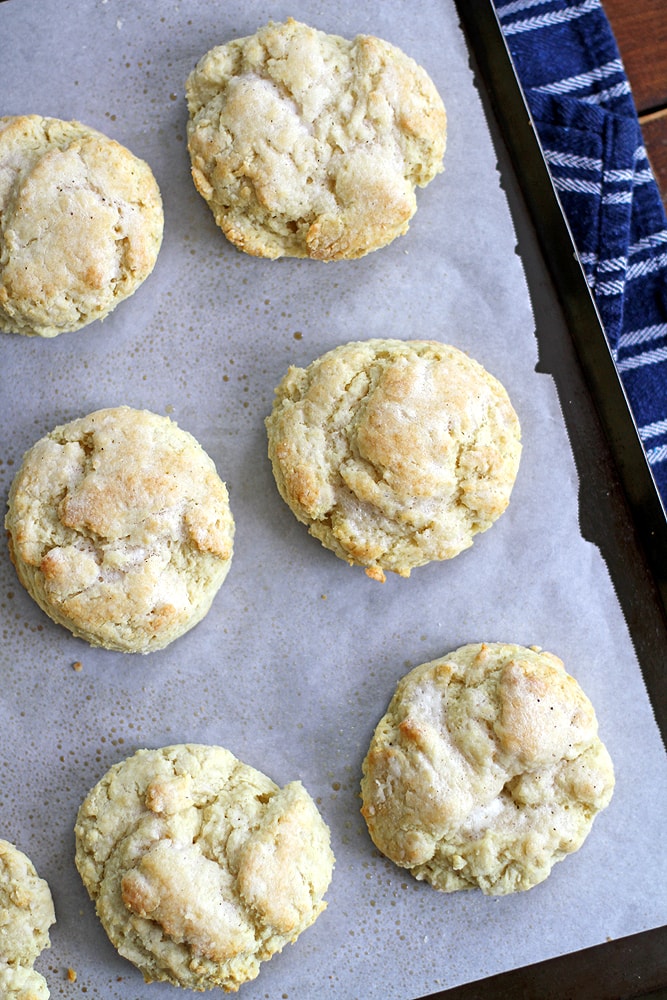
(174,346)
(621,509)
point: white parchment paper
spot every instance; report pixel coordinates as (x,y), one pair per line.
(297,660)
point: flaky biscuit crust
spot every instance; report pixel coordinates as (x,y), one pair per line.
(26,914)
(21,983)
(306,144)
(200,866)
(394,453)
(486,769)
(120,528)
(80,225)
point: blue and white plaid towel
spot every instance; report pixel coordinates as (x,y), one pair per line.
(571,72)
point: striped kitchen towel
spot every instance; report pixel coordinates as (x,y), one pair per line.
(571,72)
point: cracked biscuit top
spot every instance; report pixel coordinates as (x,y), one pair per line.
(26,914)
(486,769)
(394,453)
(306,144)
(120,528)
(80,225)
(200,866)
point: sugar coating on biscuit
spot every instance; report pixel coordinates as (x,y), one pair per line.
(120,528)
(486,769)
(80,225)
(305,144)
(394,453)
(26,914)
(200,866)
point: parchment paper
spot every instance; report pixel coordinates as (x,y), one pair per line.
(297,660)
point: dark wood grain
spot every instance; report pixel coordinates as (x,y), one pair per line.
(654,128)
(640,28)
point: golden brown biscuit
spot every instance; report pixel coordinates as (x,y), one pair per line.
(486,769)
(200,866)
(394,453)
(119,527)
(80,225)
(26,914)
(308,145)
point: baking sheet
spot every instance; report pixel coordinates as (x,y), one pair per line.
(299,655)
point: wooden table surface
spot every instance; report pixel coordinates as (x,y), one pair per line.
(640,27)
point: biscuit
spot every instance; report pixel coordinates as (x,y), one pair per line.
(394,453)
(305,144)
(120,528)
(19,983)
(485,770)
(200,866)
(26,914)
(80,225)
